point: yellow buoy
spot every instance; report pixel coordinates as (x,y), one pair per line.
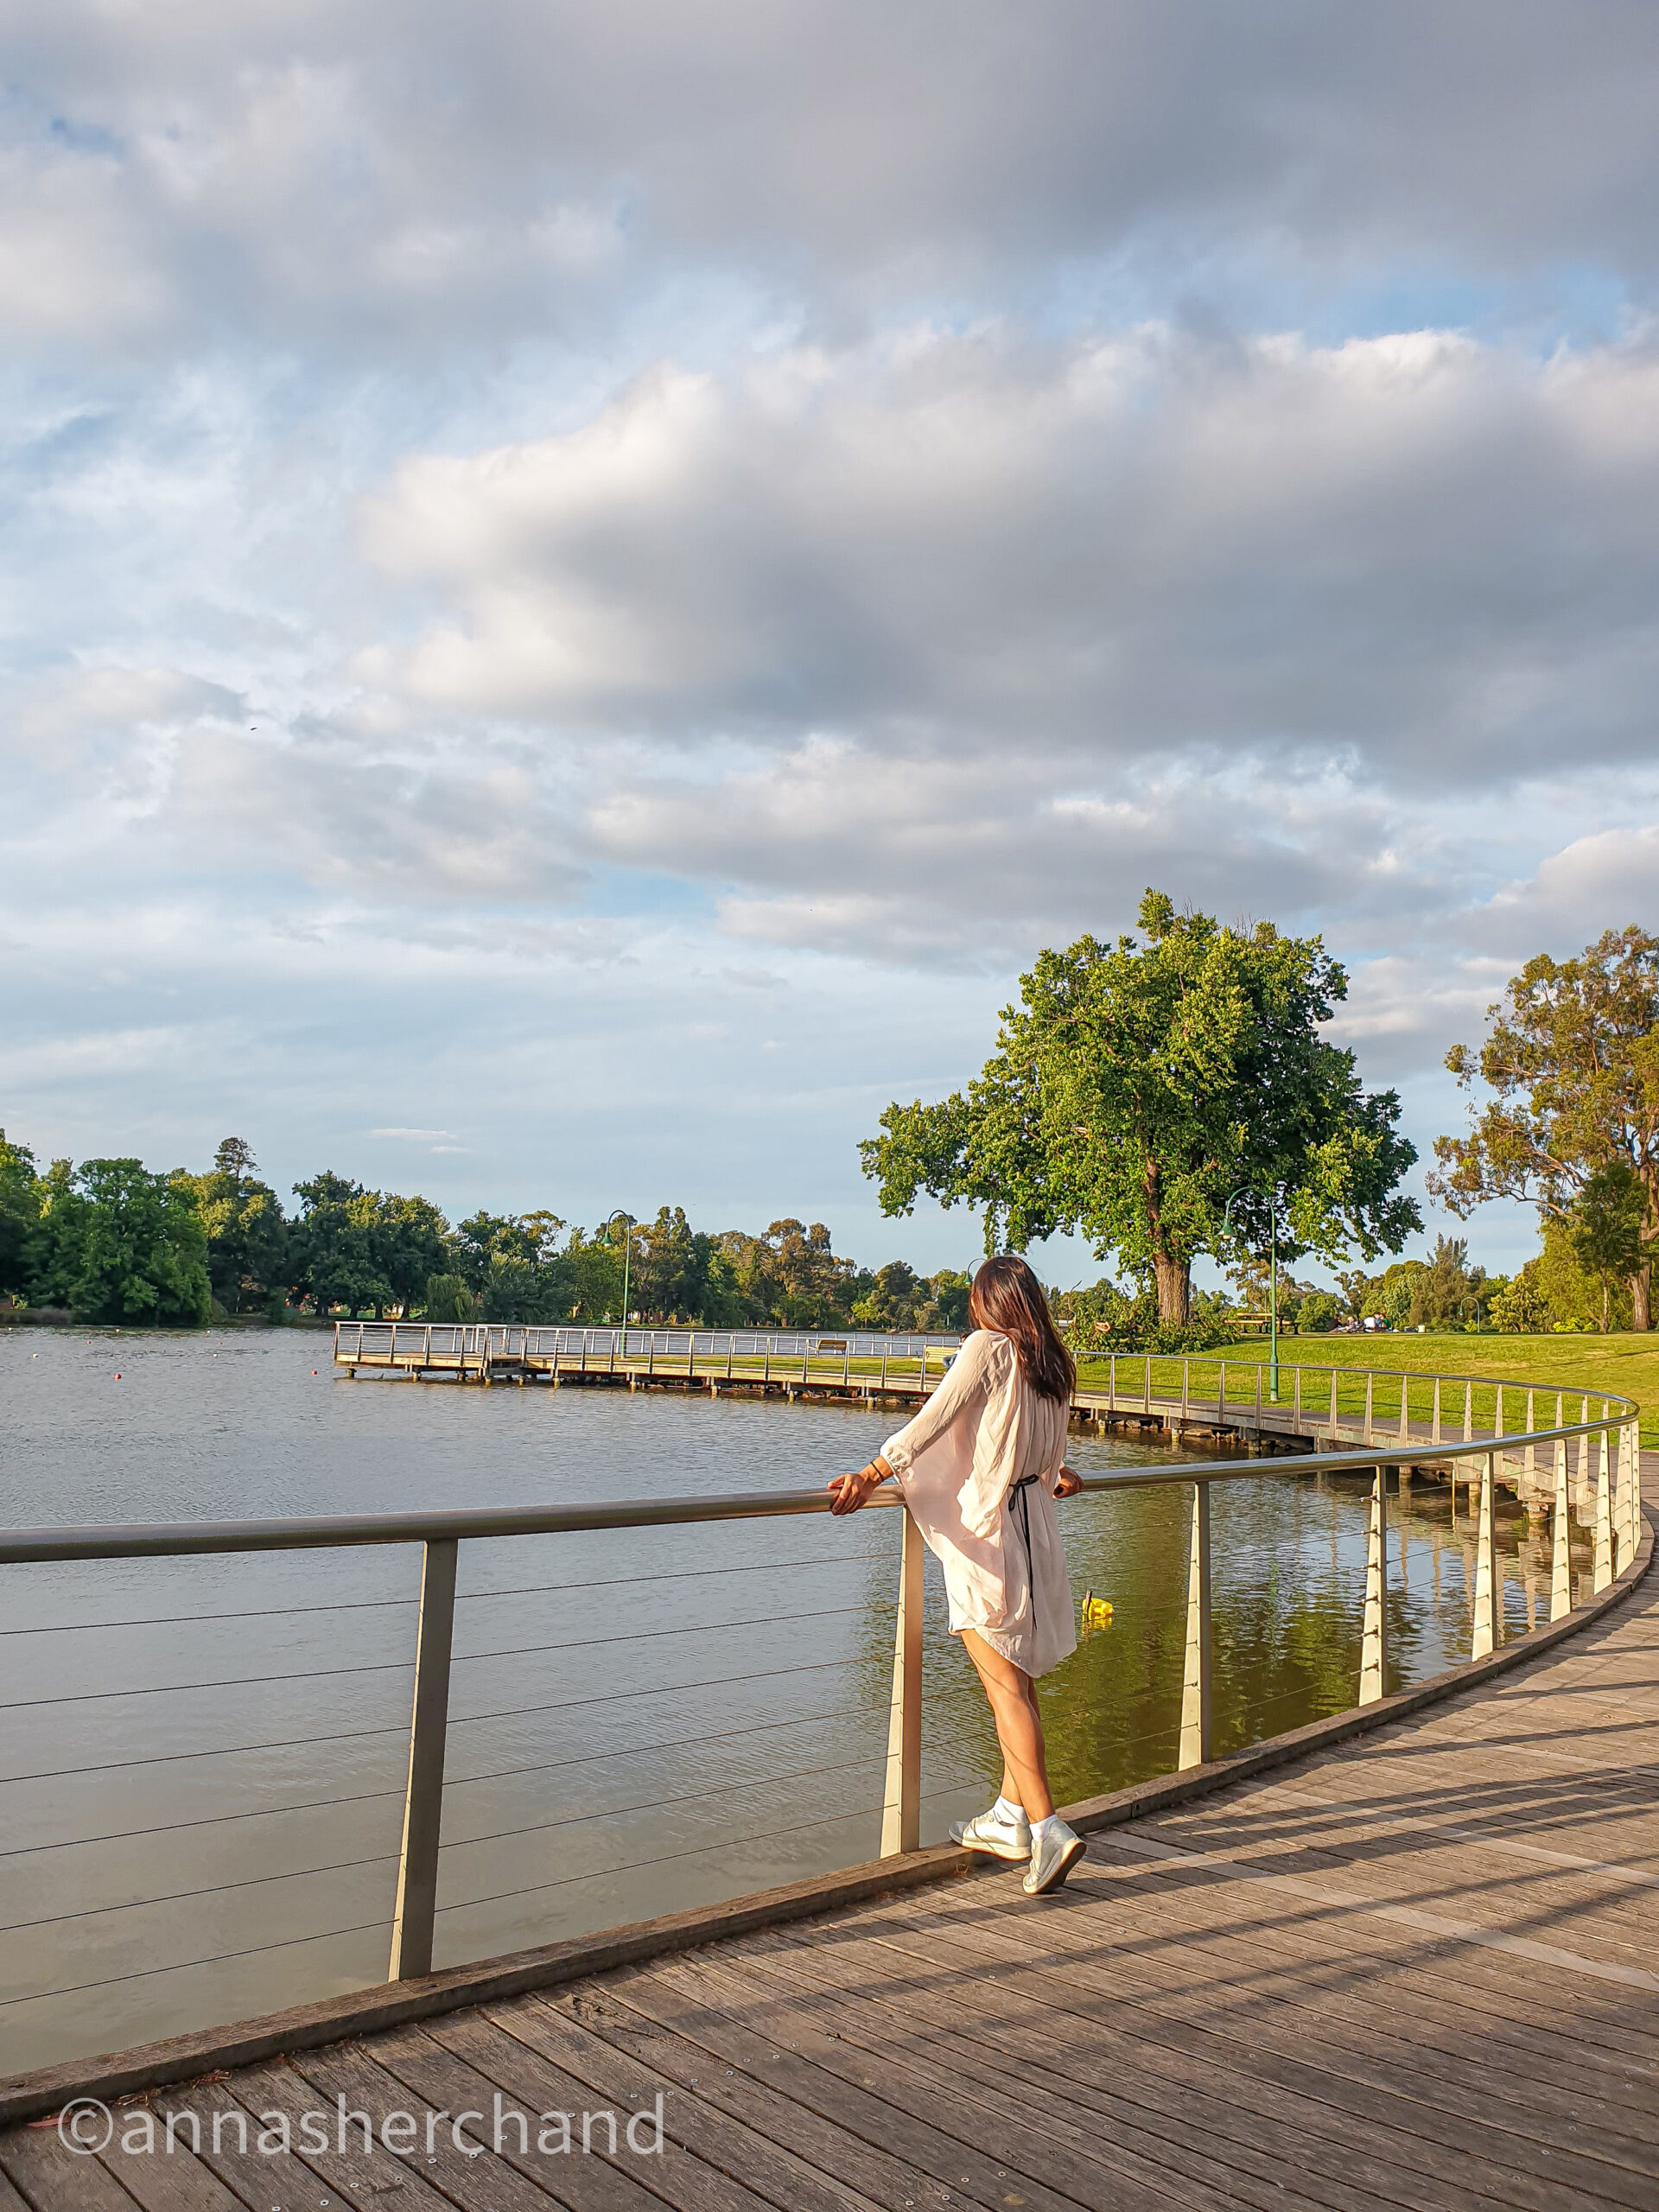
(1096,1611)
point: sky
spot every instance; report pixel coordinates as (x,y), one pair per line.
(584,585)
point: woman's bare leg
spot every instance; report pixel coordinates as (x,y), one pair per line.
(1013,1697)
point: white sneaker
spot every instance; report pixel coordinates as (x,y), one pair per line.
(990,1832)
(1052,1858)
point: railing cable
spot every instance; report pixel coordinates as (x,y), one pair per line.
(184,1966)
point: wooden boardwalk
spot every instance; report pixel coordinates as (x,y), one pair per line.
(1417,1969)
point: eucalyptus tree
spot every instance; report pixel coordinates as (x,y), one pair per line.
(1138,1087)
(1573,1056)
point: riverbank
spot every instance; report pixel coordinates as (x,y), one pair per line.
(1622,1363)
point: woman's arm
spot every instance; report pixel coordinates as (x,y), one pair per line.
(852,1490)
(967,1378)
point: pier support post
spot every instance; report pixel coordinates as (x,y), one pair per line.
(417,1864)
(1630,1491)
(1485,1634)
(1373,1648)
(1197,1735)
(1604,1516)
(1560,1573)
(901,1817)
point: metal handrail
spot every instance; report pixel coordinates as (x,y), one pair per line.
(175,1539)
(1613,1438)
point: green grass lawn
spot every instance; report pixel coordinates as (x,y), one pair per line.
(1628,1364)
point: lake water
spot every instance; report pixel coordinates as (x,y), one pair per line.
(201,1760)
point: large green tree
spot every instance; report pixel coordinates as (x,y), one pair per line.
(20,1214)
(118,1243)
(1573,1056)
(1136,1087)
(247,1235)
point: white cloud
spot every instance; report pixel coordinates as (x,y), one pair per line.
(1438,556)
(537,537)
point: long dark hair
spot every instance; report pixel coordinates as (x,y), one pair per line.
(1009,1297)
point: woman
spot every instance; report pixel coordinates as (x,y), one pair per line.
(980,1467)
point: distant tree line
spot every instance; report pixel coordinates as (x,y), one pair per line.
(112,1240)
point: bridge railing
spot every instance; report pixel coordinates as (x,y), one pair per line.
(1592,1462)
(771,1355)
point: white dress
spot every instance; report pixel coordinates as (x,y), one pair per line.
(983,1432)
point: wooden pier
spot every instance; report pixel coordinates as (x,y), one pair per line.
(1411,1968)
(1209,1400)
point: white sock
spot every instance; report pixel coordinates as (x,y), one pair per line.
(1004,1811)
(1040,1829)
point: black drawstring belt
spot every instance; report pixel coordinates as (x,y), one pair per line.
(1019,1505)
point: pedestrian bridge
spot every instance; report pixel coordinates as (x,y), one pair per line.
(1404,1956)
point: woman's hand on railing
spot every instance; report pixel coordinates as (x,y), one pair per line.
(1068,1483)
(851,1490)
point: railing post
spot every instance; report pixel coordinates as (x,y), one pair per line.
(1221,1399)
(1258,1401)
(1630,1490)
(1196,1737)
(1146,1400)
(1532,1449)
(1560,1575)
(1485,1618)
(1370,1385)
(1436,1437)
(1111,1383)
(1299,1398)
(1468,1413)
(1603,1519)
(417,1864)
(1374,1647)
(1333,1406)
(901,1817)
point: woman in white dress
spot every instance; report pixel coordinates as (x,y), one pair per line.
(980,1468)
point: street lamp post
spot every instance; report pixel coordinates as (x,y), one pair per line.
(1273,1280)
(629,1225)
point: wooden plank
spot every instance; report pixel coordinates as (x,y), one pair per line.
(263,2180)
(1462,2061)
(1357,1833)
(1606,1936)
(1609,2025)
(547,2044)
(1196,2132)
(1114,2070)
(466,2067)
(762,2107)
(58,2179)
(364,2176)
(1040,2151)
(1445,2009)
(1251,2045)
(858,2100)
(50,2178)
(473,2181)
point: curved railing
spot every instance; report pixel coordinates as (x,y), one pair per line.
(1595,1459)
